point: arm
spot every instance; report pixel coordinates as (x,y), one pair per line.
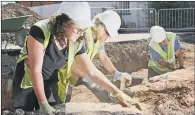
(89,69)
(180,57)
(35,61)
(94,74)
(106,62)
(178,50)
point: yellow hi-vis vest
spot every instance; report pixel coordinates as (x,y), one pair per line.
(92,51)
(64,73)
(168,57)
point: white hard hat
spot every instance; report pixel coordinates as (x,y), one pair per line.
(111,20)
(79,12)
(158,34)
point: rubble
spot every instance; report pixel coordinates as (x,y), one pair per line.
(8,65)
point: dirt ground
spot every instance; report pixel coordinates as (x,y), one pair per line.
(129,56)
(166,100)
(15,10)
(172,96)
(83,94)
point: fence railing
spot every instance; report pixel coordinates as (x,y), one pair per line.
(177,18)
(145,18)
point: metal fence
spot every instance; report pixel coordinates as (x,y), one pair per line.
(137,18)
(96,10)
(177,18)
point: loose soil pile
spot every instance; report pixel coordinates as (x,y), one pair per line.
(15,10)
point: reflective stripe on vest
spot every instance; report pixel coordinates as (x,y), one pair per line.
(63,73)
(92,49)
(168,57)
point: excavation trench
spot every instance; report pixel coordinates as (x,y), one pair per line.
(131,57)
(175,95)
(126,56)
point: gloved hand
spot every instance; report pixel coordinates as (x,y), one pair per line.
(45,108)
(122,80)
(171,66)
(125,100)
(181,67)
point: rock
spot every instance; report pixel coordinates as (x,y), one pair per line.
(85,109)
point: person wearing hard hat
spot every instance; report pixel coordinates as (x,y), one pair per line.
(105,25)
(164,48)
(46,60)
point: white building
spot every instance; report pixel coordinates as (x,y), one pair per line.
(135,16)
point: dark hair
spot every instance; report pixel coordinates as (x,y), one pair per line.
(58,23)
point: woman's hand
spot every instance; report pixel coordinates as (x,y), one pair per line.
(125,100)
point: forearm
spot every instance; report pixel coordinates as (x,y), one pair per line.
(100,79)
(181,60)
(108,65)
(38,85)
(77,70)
(180,57)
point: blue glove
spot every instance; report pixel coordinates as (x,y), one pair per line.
(90,84)
(87,80)
(117,75)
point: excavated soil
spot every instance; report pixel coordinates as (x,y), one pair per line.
(161,99)
(129,56)
(15,10)
(169,101)
(171,96)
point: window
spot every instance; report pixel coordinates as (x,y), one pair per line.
(125,5)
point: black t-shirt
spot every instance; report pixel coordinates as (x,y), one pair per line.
(53,58)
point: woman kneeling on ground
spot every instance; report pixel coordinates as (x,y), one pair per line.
(50,49)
